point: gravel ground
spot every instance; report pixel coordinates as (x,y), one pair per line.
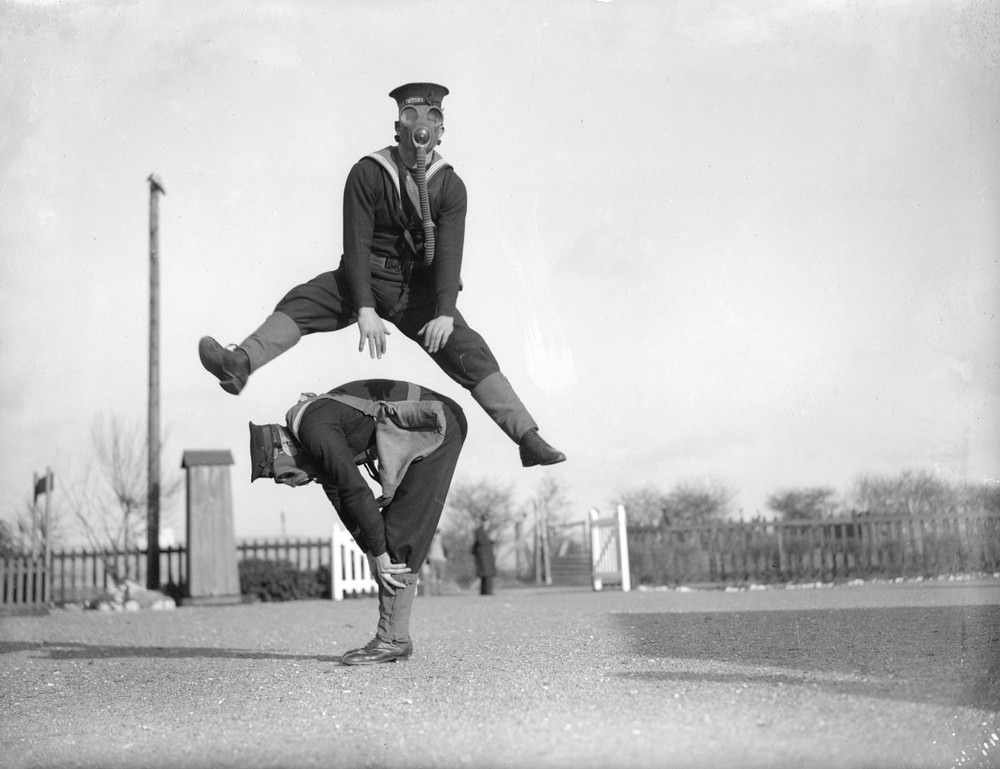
(886,676)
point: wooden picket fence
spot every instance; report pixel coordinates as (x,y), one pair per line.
(24,584)
(78,575)
(763,552)
(833,550)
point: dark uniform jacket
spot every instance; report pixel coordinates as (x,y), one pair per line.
(335,435)
(376,216)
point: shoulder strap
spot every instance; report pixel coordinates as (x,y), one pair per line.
(366,406)
(293,419)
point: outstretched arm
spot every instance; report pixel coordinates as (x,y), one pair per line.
(322,437)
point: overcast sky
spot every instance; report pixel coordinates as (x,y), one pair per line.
(751,241)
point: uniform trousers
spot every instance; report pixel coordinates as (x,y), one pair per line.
(322,305)
(411,519)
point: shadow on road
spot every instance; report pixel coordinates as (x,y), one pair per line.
(944,655)
(81,651)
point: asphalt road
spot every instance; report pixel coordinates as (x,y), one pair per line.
(886,676)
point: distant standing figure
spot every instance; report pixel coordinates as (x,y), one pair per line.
(434,567)
(486,567)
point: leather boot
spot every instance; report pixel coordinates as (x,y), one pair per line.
(535,450)
(377,651)
(392,639)
(230,367)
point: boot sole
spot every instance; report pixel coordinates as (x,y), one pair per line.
(537,463)
(374,662)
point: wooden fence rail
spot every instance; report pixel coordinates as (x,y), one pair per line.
(803,551)
(721,553)
(80,575)
(24,583)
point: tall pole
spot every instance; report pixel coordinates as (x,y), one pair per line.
(153,414)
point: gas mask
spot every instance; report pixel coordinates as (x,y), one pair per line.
(420,127)
(273,454)
(419,130)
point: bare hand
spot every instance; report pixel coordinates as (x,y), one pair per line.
(436,332)
(383,570)
(373,331)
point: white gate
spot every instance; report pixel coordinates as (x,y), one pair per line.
(609,550)
(349,571)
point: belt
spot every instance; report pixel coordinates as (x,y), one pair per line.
(392,264)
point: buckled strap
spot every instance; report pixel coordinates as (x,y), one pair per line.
(369,407)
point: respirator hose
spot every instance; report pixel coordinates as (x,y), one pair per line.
(425,206)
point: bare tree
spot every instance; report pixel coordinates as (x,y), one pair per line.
(689,502)
(468,504)
(8,541)
(920,492)
(698,501)
(551,500)
(34,529)
(35,520)
(543,518)
(979,497)
(109,501)
(644,506)
(913,492)
(120,449)
(803,504)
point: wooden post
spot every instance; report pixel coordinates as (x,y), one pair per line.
(153,413)
(623,550)
(336,563)
(596,582)
(546,555)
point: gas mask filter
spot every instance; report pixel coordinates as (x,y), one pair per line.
(420,124)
